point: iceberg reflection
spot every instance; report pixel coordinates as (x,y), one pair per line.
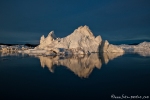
(6,53)
(81,65)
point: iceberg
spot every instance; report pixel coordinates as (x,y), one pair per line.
(142,49)
(81,41)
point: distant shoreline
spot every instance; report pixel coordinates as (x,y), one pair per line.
(27,44)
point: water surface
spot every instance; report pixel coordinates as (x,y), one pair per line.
(95,76)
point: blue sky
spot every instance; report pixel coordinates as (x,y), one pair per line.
(118,21)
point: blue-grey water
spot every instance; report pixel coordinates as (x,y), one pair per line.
(94,77)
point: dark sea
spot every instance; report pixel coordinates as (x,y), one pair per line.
(107,76)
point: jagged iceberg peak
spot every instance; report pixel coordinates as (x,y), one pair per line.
(83,38)
(42,39)
(48,40)
(83,30)
(52,35)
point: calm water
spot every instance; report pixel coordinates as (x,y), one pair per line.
(78,77)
